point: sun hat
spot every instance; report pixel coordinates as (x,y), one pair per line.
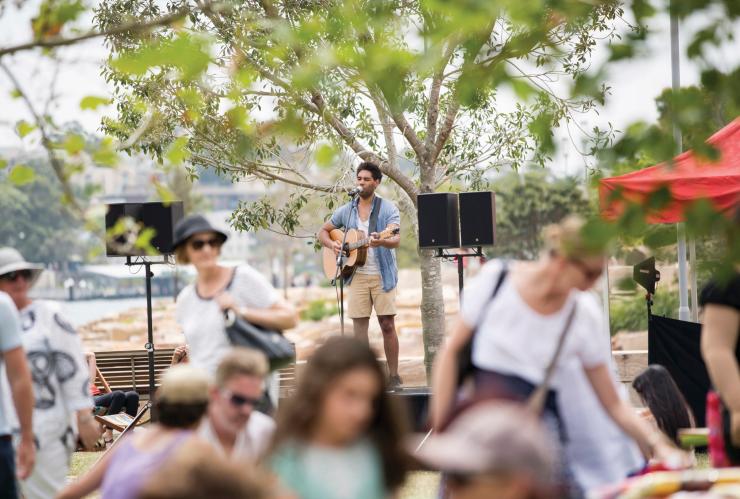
(184,384)
(491,437)
(193,224)
(11,260)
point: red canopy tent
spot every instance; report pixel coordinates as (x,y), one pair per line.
(688,178)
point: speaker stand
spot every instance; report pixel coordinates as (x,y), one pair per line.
(477,252)
(149,346)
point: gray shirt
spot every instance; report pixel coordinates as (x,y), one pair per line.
(10,339)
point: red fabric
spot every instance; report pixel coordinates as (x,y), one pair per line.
(94,390)
(689,178)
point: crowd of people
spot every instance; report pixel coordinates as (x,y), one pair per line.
(524,404)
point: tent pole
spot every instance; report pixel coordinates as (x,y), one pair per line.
(683,291)
(692,278)
(605,301)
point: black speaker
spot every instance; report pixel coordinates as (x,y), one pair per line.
(439,224)
(158,216)
(645,274)
(477,219)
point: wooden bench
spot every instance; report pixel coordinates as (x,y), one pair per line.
(128,370)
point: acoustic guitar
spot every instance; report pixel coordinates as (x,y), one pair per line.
(355,250)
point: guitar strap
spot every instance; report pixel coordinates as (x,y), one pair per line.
(373,222)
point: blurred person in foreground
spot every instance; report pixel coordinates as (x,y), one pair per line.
(207,475)
(720,341)
(21,393)
(341,435)
(493,449)
(517,332)
(233,426)
(180,403)
(59,373)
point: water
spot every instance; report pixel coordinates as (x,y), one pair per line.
(81,312)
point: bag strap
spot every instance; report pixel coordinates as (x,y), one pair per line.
(501,277)
(536,401)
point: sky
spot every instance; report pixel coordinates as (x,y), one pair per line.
(635,83)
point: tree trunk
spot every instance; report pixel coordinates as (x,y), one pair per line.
(432,308)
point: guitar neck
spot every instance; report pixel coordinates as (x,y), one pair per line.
(366,241)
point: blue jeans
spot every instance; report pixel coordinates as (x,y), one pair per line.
(8,486)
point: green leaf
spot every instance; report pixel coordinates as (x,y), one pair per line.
(92,102)
(189,54)
(16,94)
(74,143)
(24,128)
(21,175)
(105,154)
(325,155)
(164,193)
(3,164)
(178,151)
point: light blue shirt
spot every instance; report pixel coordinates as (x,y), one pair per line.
(347,216)
(317,472)
(10,339)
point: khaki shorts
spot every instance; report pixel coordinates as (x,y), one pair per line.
(366,292)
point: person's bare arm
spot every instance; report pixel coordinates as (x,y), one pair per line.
(653,443)
(391,242)
(21,389)
(444,374)
(92,366)
(281,315)
(718,343)
(89,482)
(326,240)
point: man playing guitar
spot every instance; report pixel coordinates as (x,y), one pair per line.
(373,284)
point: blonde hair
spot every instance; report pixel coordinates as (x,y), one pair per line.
(184,384)
(241,361)
(566,239)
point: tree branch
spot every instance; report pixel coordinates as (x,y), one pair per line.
(56,165)
(131,26)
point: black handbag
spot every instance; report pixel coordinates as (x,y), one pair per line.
(279,351)
(465,365)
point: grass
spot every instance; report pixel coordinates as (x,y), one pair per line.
(419,485)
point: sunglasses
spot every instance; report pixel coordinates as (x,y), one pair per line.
(213,242)
(15,274)
(589,272)
(239,400)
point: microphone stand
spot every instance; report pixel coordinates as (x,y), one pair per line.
(340,264)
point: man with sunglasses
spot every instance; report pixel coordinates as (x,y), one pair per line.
(233,426)
(60,379)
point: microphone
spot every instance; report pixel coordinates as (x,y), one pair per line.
(354,192)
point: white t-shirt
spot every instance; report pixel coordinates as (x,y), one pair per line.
(251,443)
(61,384)
(202,320)
(599,452)
(371,262)
(514,339)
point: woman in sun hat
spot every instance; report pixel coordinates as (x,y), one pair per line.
(201,305)
(59,374)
